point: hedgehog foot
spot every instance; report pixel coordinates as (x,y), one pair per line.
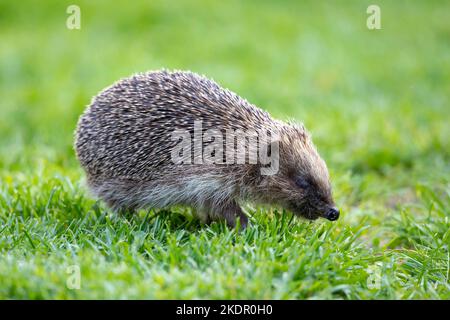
(232,213)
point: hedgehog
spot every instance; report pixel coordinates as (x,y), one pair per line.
(125,143)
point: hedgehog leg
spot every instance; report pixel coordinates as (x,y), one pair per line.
(121,210)
(204,214)
(113,195)
(231,213)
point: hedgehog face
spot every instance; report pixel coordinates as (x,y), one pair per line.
(303,194)
(302,184)
(312,200)
(310,186)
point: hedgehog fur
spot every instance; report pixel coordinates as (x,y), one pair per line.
(124,143)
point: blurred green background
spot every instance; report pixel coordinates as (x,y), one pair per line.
(376,102)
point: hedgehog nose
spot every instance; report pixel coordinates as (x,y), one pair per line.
(332,214)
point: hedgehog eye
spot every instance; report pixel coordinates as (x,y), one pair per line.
(301,183)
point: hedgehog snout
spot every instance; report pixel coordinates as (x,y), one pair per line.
(312,210)
(332,214)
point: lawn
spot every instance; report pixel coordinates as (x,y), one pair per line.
(375,101)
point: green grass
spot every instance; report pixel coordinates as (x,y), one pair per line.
(376,102)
